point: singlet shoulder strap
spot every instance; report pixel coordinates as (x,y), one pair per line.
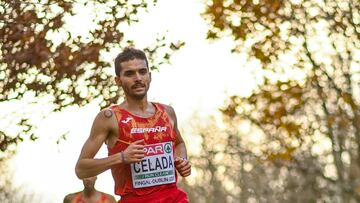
(117,111)
(103,198)
(77,198)
(160,106)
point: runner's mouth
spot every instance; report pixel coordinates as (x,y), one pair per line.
(138,86)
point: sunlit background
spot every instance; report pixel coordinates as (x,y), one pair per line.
(266,93)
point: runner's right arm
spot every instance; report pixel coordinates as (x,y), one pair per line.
(87,165)
(104,125)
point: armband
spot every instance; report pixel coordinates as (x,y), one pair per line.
(122,157)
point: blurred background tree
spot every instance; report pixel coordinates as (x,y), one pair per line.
(69,71)
(44,62)
(303,118)
(9,192)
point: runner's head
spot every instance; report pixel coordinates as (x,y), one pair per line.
(133,76)
(89,182)
(128,54)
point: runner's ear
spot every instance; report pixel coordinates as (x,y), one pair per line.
(118,81)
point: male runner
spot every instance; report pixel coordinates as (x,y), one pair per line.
(144,143)
(89,194)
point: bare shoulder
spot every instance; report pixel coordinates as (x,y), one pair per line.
(68,198)
(110,198)
(104,125)
(105,117)
(106,113)
(170,110)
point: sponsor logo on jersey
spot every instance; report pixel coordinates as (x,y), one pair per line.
(127,120)
(157,149)
(148,130)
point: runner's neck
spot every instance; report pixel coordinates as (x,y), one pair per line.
(144,110)
(89,192)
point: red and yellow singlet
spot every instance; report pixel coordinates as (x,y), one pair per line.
(79,198)
(156,172)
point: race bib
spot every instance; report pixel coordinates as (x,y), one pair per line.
(157,167)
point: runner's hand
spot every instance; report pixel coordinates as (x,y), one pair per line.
(134,153)
(183,166)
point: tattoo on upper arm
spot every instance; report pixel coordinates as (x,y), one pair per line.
(108,113)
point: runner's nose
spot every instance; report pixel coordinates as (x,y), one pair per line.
(137,76)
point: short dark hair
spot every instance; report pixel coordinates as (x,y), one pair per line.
(129,53)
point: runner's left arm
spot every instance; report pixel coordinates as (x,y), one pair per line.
(181,163)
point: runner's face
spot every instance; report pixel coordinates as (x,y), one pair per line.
(134,78)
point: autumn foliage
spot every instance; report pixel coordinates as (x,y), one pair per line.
(305,110)
(42,57)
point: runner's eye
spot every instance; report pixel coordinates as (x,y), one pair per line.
(128,73)
(143,71)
